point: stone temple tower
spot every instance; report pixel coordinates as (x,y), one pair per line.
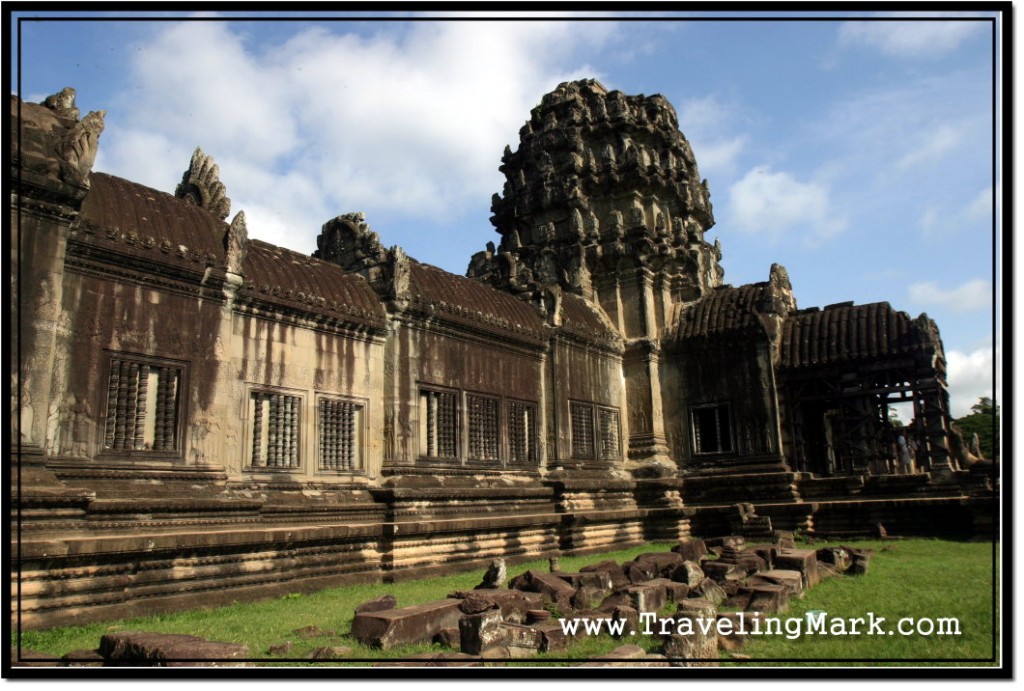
(603,198)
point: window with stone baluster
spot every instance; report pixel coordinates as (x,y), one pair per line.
(439,424)
(339,434)
(143,411)
(275,432)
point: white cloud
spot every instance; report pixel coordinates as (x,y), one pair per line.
(777,204)
(931,147)
(719,156)
(939,221)
(967,297)
(969,376)
(913,39)
(709,123)
(322,122)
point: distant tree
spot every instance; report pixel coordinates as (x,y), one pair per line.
(894,418)
(983,421)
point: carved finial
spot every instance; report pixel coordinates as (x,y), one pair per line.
(236,244)
(398,274)
(79,147)
(201,185)
(63,103)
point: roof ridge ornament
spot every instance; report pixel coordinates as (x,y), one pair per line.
(201,185)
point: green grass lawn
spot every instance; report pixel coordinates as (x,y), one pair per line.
(907,578)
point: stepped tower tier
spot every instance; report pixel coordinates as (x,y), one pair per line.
(603,190)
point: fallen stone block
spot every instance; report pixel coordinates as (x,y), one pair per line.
(631,618)
(481,631)
(553,588)
(697,646)
(82,658)
(768,599)
(665,562)
(378,604)
(838,557)
(646,597)
(691,549)
(448,637)
(522,641)
(640,572)
(144,649)
(674,591)
(613,569)
(803,560)
(514,604)
(710,591)
(280,649)
(784,538)
(729,541)
(792,580)
(766,552)
(688,572)
(417,624)
(748,562)
(720,571)
(553,638)
(861,561)
(330,653)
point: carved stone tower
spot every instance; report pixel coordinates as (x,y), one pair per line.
(603,198)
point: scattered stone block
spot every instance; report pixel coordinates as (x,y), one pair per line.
(630,616)
(536,616)
(733,635)
(766,552)
(674,591)
(646,597)
(792,580)
(481,631)
(698,647)
(377,604)
(329,653)
(720,571)
(553,638)
(614,571)
(640,572)
(514,604)
(619,598)
(688,572)
(389,628)
(861,561)
(826,571)
(282,649)
(769,599)
(522,641)
(785,538)
(803,560)
(691,549)
(665,562)
(748,562)
(838,557)
(143,649)
(553,588)
(448,637)
(309,632)
(710,591)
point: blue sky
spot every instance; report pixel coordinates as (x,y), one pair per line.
(858,154)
